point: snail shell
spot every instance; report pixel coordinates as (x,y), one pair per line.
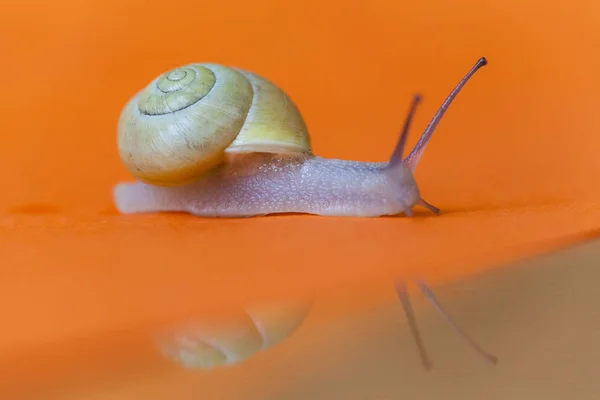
(184,122)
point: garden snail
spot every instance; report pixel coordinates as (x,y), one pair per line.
(222,142)
(215,141)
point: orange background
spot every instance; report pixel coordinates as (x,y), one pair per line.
(512,165)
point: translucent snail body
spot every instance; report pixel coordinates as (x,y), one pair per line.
(220,142)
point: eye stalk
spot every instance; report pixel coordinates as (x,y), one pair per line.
(399,149)
(415,155)
(396,162)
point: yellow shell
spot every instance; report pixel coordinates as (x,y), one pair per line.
(185,121)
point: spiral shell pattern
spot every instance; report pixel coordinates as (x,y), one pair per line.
(176,90)
(182,123)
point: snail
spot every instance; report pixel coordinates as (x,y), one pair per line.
(212,341)
(215,141)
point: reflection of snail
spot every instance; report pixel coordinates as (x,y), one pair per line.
(233,337)
(222,142)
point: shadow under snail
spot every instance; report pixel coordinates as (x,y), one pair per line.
(215,141)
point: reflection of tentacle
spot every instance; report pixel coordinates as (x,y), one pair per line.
(230,338)
(412,322)
(430,296)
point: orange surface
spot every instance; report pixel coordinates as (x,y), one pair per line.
(512,165)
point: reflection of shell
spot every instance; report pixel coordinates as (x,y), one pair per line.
(228,339)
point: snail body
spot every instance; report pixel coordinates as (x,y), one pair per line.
(222,142)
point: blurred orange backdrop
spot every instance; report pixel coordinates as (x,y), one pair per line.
(513,165)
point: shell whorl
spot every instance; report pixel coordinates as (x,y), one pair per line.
(184,122)
(214,341)
(176,90)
